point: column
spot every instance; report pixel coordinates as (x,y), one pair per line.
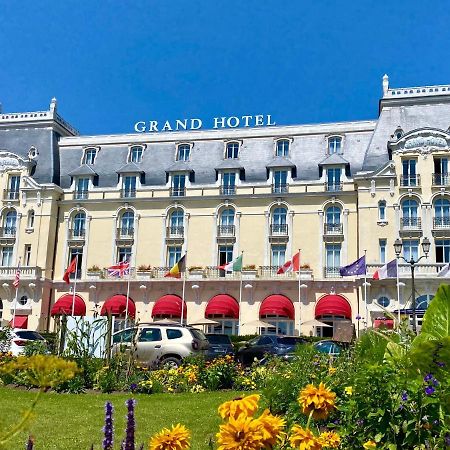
(345,213)
(320,249)
(267,234)
(214,239)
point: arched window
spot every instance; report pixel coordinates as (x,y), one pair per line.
(226,222)
(184,152)
(279,221)
(333,220)
(127,223)
(176,223)
(282,148)
(442,212)
(232,151)
(423,302)
(384,301)
(79,224)
(10,223)
(89,156)
(30,219)
(382,210)
(410,213)
(334,144)
(136,154)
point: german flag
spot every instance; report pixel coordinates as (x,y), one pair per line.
(177,269)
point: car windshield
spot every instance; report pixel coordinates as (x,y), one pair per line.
(30,335)
(289,340)
(124,336)
(198,334)
(218,339)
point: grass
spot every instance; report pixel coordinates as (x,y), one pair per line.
(74,422)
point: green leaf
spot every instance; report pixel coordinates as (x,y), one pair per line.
(436,321)
(392,447)
(394,353)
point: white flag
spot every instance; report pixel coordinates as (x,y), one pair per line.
(444,272)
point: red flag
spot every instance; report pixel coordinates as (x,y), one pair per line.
(71,269)
(291,265)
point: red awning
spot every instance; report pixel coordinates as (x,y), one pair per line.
(117,306)
(333,305)
(64,306)
(383,322)
(19,322)
(223,304)
(277,305)
(169,306)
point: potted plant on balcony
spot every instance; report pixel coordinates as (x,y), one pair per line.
(196,272)
(144,270)
(94,271)
(305,271)
(249,271)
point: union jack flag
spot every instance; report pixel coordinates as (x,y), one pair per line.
(119,270)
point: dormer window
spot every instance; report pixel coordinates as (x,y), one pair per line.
(282,148)
(232,150)
(89,156)
(183,152)
(135,154)
(334,145)
(82,188)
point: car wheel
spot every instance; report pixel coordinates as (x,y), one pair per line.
(171,362)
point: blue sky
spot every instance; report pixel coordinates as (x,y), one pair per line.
(112,63)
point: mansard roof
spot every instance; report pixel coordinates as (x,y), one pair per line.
(84,169)
(333,160)
(231,163)
(280,161)
(180,166)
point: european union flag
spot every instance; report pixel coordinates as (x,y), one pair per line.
(356,268)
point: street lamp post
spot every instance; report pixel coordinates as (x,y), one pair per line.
(398,244)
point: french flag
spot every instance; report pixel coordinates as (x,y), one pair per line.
(389,270)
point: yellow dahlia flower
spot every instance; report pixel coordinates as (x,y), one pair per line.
(304,439)
(370,445)
(243,433)
(320,400)
(330,439)
(175,439)
(348,390)
(272,428)
(241,405)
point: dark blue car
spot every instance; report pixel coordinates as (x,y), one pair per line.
(219,345)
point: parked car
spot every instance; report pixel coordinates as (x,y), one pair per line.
(330,347)
(156,344)
(219,345)
(267,344)
(21,337)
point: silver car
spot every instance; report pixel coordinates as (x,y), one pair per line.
(155,345)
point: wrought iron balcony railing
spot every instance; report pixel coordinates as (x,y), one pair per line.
(441,222)
(77,233)
(175,232)
(128,193)
(333,228)
(226,230)
(334,186)
(331,272)
(279,229)
(177,192)
(81,195)
(227,190)
(8,231)
(10,195)
(125,233)
(411,223)
(280,188)
(409,180)
(441,179)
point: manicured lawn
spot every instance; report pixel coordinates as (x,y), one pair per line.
(74,422)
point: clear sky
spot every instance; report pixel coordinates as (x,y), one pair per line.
(112,63)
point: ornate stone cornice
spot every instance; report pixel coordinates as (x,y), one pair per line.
(422,142)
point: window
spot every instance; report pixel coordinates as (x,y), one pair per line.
(136,154)
(229,183)
(150,335)
(334,144)
(184,152)
(382,210)
(334,179)
(409,176)
(27,255)
(129,186)
(226,222)
(282,148)
(79,225)
(280,181)
(443,251)
(279,218)
(10,223)
(232,151)
(333,259)
(89,156)
(278,255)
(13,188)
(225,254)
(124,254)
(176,223)
(411,249)
(384,301)
(178,185)
(409,214)
(82,188)
(30,219)
(442,213)
(124,336)
(173,334)
(382,248)
(127,224)
(7,256)
(333,220)
(78,253)
(23,300)
(173,255)
(441,177)
(423,301)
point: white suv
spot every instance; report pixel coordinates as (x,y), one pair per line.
(156,344)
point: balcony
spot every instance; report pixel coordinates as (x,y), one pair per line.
(280,188)
(177,192)
(227,190)
(411,225)
(331,272)
(333,186)
(128,193)
(271,272)
(226,231)
(441,179)
(8,232)
(125,233)
(333,229)
(404,271)
(11,195)
(279,229)
(160,272)
(26,273)
(77,234)
(175,232)
(441,223)
(410,181)
(81,195)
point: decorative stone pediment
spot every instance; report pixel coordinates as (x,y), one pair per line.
(423,141)
(386,171)
(11,161)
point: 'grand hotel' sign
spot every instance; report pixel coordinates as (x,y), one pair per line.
(258,120)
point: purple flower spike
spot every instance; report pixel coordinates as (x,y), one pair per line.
(428,377)
(108,429)
(429,390)
(131,425)
(404,396)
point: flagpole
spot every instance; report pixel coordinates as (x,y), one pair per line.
(398,296)
(299,295)
(75,285)
(184,287)
(240,295)
(365,289)
(15,301)
(128,292)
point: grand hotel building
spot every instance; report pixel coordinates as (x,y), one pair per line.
(333,190)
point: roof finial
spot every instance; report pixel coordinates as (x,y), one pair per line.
(385,84)
(53,105)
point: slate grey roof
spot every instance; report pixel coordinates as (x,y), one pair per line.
(130,168)
(180,166)
(231,163)
(84,169)
(279,161)
(333,160)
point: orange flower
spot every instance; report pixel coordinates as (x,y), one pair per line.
(272,428)
(320,400)
(330,439)
(304,439)
(241,405)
